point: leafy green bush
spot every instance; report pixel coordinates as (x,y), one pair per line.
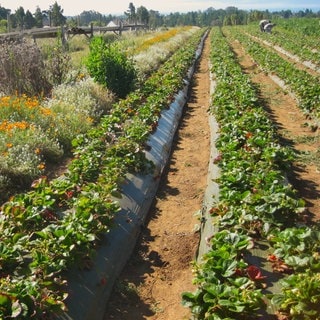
(22,70)
(110,66)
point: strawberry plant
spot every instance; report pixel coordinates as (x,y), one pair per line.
(300,296)
(56,225)
(254,201)
(299,248)
(228,287)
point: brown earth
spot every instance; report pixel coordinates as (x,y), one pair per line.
(160,268)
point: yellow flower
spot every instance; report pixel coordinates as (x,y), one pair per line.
(41,166)
(81,76)
(45,111)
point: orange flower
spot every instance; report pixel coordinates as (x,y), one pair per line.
(41,166)
(45,111)
(8,126)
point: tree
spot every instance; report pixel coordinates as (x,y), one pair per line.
(56,15)
(255,15)
(19,17)
(4,13)
(131,13)
(38,17)
(29,20)
(143,15)
(155,19)
(286,13)
(87,17)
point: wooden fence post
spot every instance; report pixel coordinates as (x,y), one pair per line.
(63,36)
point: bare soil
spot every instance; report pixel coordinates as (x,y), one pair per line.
(160,268)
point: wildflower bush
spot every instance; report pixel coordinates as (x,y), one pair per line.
(58,63)
(158,48)
(110,66)
(157,39)
(24,144)
(81,97)
(36,132)
(22,70)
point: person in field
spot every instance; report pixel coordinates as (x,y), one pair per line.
(268,27)
(263,23)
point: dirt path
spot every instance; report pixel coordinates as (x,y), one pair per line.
(295,131)
(159,270)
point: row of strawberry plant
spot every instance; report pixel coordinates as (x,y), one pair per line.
(304,85)
(296,43)
(305,26)
(297,252)
(254,201)
(56,225)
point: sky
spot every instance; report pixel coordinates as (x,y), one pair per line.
(116,7)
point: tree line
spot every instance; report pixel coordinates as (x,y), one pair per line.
(21,19)
(53,16)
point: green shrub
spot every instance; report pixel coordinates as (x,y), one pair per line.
(111,67)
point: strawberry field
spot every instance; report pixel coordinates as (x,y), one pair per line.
(56,225)
(260,220)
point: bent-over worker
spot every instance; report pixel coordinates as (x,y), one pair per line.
(263,23)
(268,27)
